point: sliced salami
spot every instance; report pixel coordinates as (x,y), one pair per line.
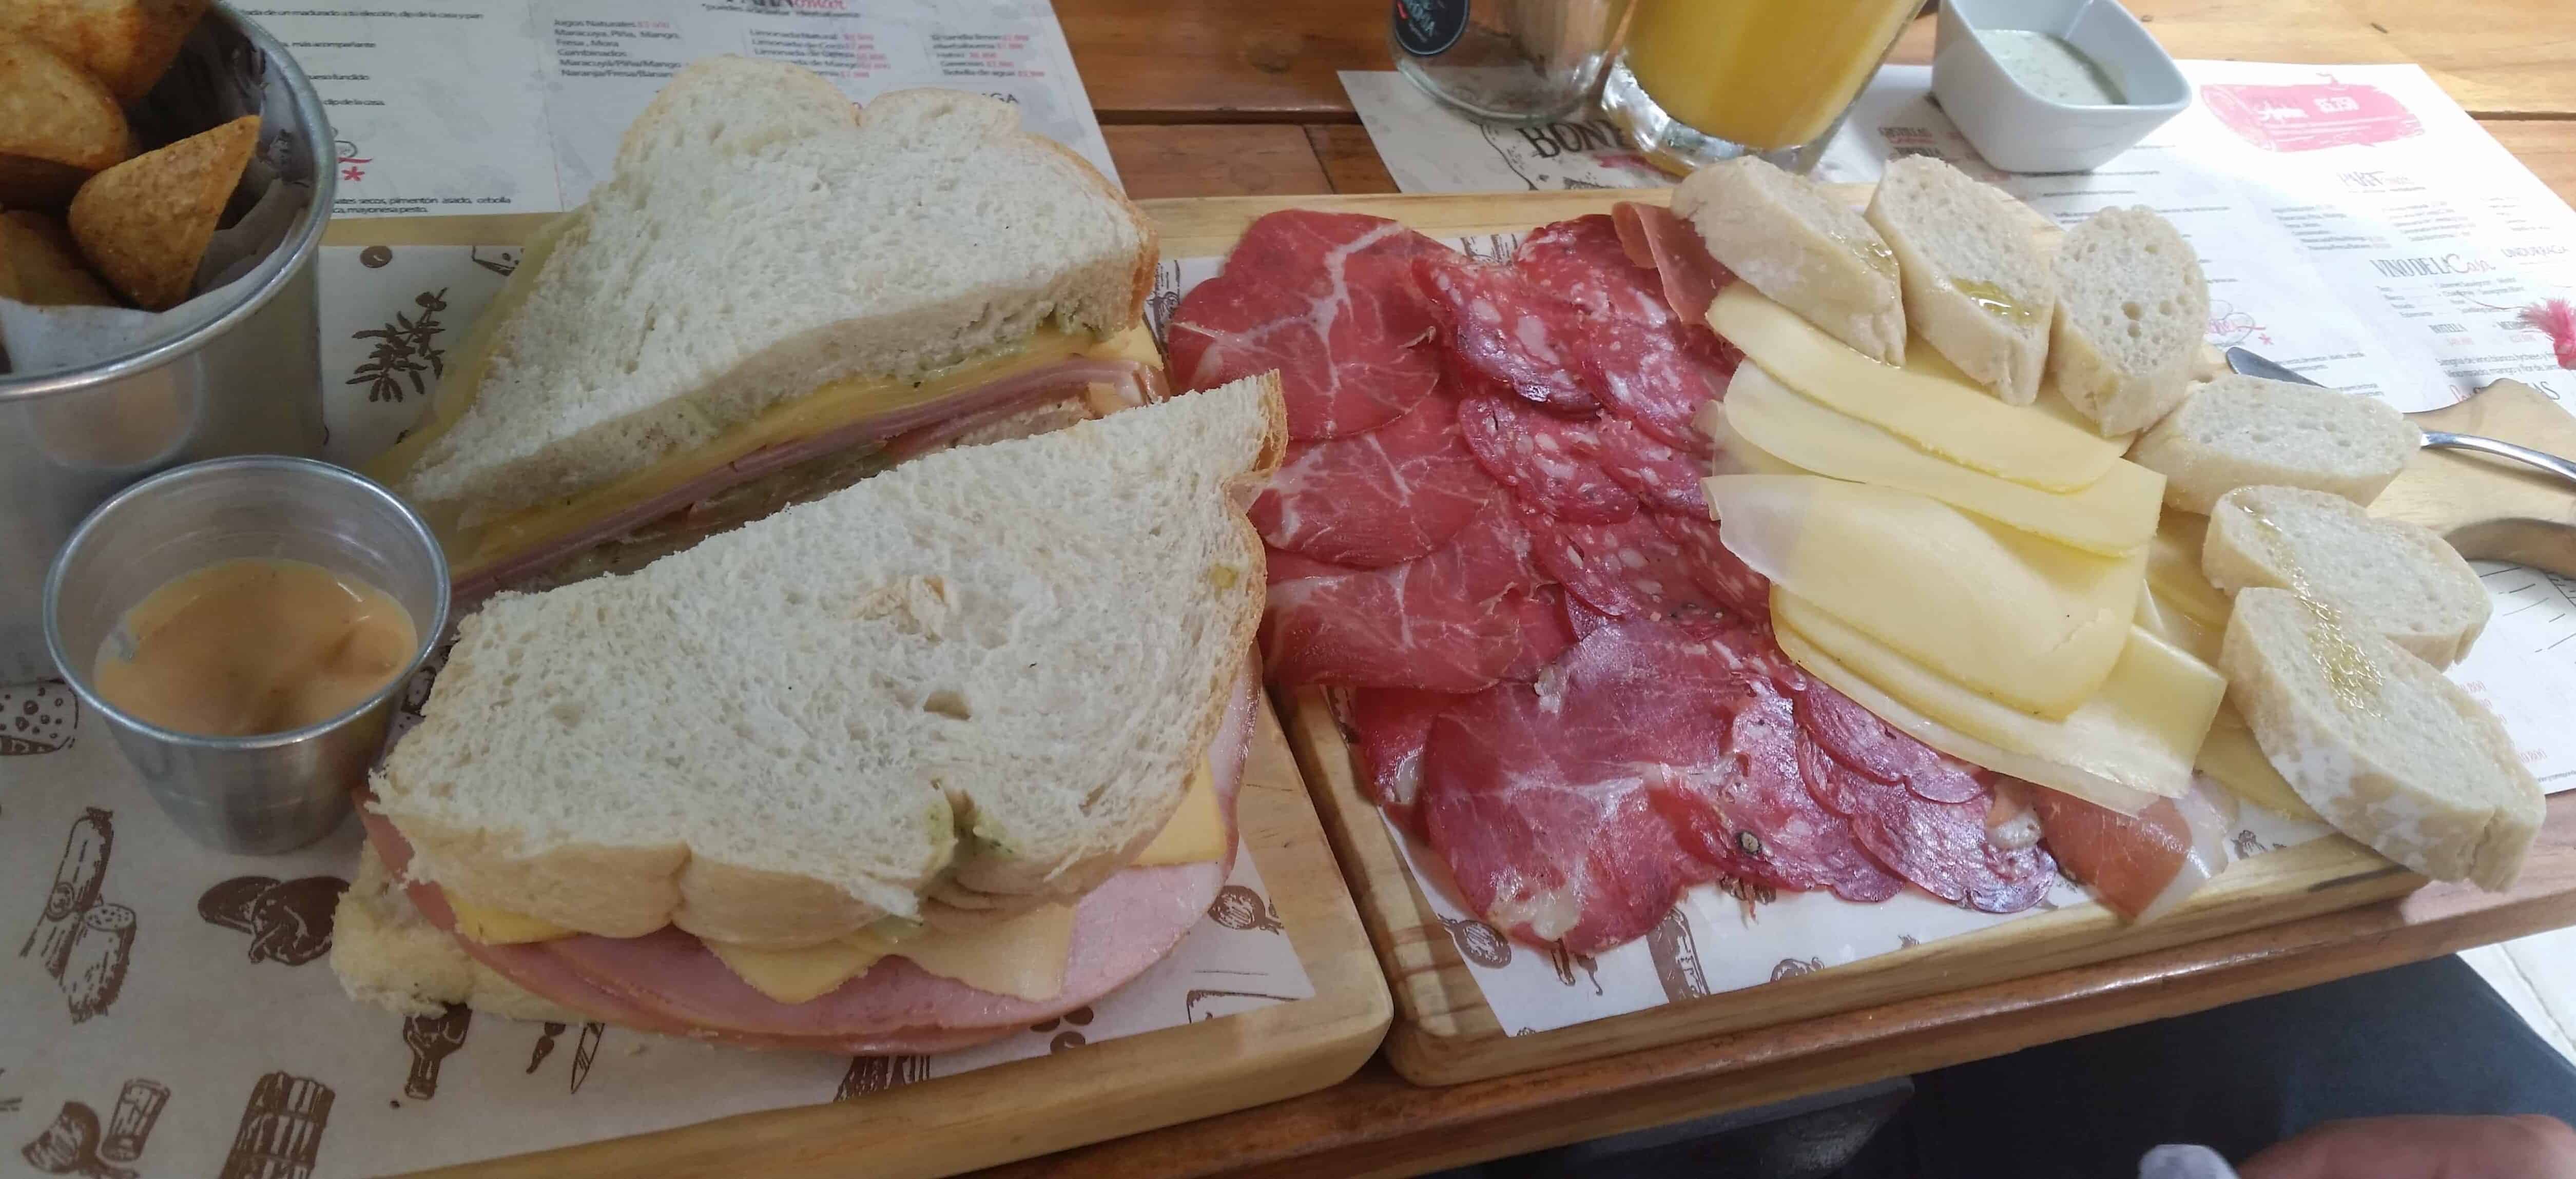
(1375,498)
(1507,333)
(1754,819)
(1714,568)
(1327,299)
(1630,568)
(1858,739)
(1546,460)
(1662,478)
(1939,847)
(1641,360)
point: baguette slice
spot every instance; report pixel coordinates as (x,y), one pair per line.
(2238,431)
(991,669)
(1801,248)
(2382,745)
(2396,579)
(387,954)
(1977,287)
(2131,310)
(760,237)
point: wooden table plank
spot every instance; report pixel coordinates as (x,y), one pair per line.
(1209,159)
(1157,61)
(1378,1124)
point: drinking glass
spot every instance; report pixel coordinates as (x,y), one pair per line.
(1513,62)
(1707,80)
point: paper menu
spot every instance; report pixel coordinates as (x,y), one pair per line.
(516,106)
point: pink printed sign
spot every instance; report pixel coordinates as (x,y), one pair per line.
(2311,115)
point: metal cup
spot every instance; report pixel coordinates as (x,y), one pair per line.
(276,791)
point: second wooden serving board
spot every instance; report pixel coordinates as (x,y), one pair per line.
(1444,1031)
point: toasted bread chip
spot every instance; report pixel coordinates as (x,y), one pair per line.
(57,125)
(145,223)
(126,44)
(40,265)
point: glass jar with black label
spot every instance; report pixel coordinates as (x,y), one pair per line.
(1506,61)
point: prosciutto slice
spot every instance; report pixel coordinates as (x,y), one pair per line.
(1657,238)
(1328,300)
(669,982)
(2140,865)
(1376,498)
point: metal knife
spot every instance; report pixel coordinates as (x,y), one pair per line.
(2250,364)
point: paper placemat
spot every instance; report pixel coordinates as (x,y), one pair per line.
(516,106)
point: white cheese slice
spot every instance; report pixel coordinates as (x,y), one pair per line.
(2029,622)
(2141,732)
(1927,402)
(2112,515)
(2173,570)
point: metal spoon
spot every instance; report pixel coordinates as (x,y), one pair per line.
(2252,365)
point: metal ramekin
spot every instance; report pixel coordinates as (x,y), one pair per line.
(277,791)
(246,381)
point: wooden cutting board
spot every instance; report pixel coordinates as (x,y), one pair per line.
(1444,1032)
(1031,1107)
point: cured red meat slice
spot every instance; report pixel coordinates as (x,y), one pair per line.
(1445,622)
(1663,478)
(1508,332)
(1714,568)
(1657,238)
(1546,631)
(1329,300)
(1391,494)
(1546,460)
(1939,847)
(1754,818)
(1623,569)
(1542,800)
(1389,727)
(1858,739)
(1641,360)
(2140,865)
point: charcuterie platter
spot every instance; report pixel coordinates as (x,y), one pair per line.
(1448,1032)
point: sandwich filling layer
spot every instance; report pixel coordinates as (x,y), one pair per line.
(915,995)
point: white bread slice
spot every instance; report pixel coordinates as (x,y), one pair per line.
(2386,748)
(2396,579)
(2238,431)
(2132,308)
(992,667)
(1801,248)
(1977,287)
(760,237)
(387,954)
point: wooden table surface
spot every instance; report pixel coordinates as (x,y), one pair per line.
(1221,97)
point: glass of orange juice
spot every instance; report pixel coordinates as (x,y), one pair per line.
(1708,80)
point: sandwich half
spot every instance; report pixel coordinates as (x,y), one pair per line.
(898,770)
(772,275)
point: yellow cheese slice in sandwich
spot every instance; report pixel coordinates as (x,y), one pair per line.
(2112,515)
(835,404)
(1023,956)
(1196,832)
(2141,732)
(2028,622)
(1928,402)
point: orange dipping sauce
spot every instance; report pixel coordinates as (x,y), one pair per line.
(252,646)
